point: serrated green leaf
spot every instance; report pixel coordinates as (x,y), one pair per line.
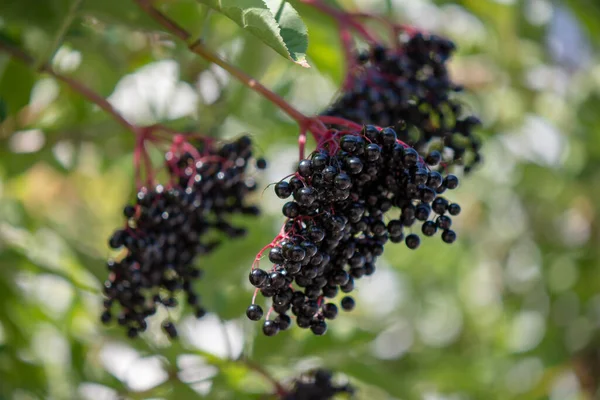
(275,22)
(325,51)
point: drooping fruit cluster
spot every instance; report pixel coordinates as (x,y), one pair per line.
(360,190)
(169,226)
(409,88)
(317,385)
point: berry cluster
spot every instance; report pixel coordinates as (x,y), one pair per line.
(317,385)
(168,226)
(408,87)
(346,199)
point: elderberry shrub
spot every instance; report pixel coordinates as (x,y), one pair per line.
(409,88)
(317,385)
(349,199)
(168,227)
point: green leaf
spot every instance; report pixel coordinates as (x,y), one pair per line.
(15,85)
(275,22)
(325,51)
(45,15)
(3,112)
(183,391)
(122,12)
(588,12)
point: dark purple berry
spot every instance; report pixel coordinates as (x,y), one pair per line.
(318,327)
(443,222)
(429,228)
(451,182)
(283,321)
(283,190)
(254,312)
(291,209)
(270,328)
(348,303)
(412,241)
(330,311)
(258,277)
(129,211)
(106,317)
(454,209)
(448,236)
(261,163)
(305,168)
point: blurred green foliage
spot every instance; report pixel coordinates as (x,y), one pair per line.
(511,311)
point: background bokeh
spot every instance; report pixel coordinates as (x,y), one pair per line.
(510,311)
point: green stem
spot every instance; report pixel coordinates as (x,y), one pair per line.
(280,390)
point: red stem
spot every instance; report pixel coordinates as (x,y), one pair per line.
(394,27)
(340,121)
(199,48)
(343,18)
(302,141)
(94,98)
(141,133)
(72,83)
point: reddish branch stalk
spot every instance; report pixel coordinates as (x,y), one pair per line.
(340,121)
(394,27)
(142,134)
(314,125)
(199,48)
(72,83)
(346,22)
(343,18)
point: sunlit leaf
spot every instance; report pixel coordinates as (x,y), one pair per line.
(275,22)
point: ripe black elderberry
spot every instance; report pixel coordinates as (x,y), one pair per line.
(413,241)
(330,311)
(270,328)
(348,303)
(409,87)
(254,312)
(359,191)
(318,327)
(167,229)
(317,385)
(448,236)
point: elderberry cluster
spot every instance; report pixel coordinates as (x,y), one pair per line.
(349,199)
(167,227)
(409,88)
(317,385)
